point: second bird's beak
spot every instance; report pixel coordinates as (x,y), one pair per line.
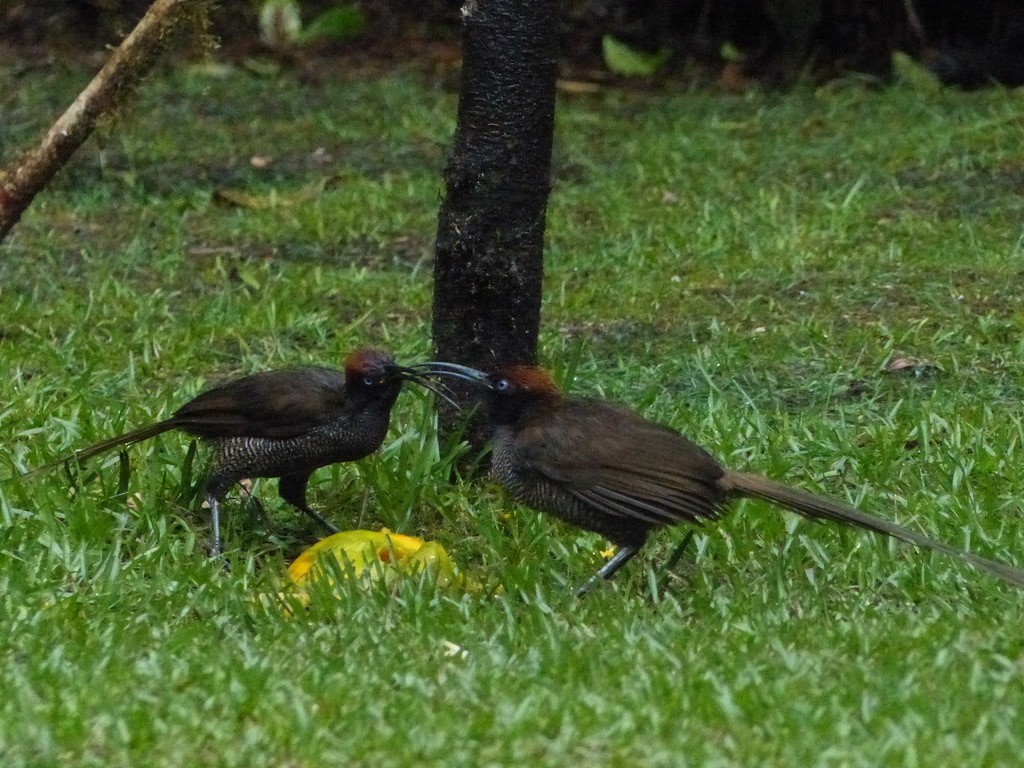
(420,372)
(438,368)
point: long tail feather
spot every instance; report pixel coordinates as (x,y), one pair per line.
(83,454)
(820,508)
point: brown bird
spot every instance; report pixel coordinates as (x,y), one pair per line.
(285,424)
(605,468)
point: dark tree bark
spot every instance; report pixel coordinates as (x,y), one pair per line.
(490,236)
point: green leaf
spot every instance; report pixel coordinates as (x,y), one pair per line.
(337,25)
(623,60)
(731,53)
(910,72)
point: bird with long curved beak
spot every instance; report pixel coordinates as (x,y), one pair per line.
(605,468)
(285,424)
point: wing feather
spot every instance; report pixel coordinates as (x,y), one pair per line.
(271,404)
(621,463)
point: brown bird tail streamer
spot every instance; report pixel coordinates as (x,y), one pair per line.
(819,508)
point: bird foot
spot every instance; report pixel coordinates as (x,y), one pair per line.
(320,519)
(622,556)
(677,554)
(587,585)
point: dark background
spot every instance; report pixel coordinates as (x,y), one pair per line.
(968,43)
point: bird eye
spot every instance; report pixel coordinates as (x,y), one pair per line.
(502,385)
(369,381)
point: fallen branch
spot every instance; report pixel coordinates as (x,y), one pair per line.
(123,71)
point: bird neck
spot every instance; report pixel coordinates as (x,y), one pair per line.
(521,408)
(378,402)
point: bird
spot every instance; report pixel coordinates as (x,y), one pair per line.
(284,424)
(605,468)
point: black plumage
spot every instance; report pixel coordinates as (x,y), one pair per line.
(285,424)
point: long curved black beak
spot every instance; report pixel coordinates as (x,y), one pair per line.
(419,374)
(439,368)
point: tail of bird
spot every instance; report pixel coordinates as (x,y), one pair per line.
(128,438)
(820,508)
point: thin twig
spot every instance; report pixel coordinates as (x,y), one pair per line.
(126,66)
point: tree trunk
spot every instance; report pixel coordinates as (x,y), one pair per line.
(490,236)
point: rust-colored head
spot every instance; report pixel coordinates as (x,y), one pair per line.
(513,391)
(522,378)
(371,364)
(372,379)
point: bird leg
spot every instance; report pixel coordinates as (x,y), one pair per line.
(292,489)
(250,498)
(677,554)
(328,525)
(215,548)
(622,556)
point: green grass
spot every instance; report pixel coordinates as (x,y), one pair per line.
(741,267)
